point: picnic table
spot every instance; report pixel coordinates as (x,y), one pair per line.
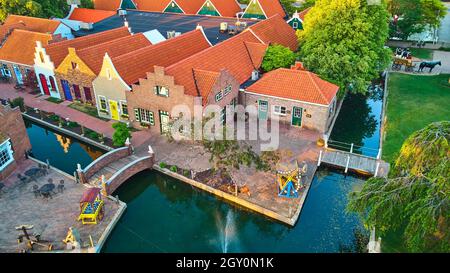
(47,189)
(33,172)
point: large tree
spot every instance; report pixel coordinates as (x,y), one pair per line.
(415,199)
(414,16)
(277,56)
(343,42)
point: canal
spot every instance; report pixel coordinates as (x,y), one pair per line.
(166,215)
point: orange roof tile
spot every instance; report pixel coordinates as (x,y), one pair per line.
(190,6)
(226,8)
(205,80)
(92,56)
(231,55)
(154,5)
(272,7)
(297,85)
(303,13)
(33,23)
(20,46)
(90,15)
(58,51)
(257,52)
(275,30)
(6,30)
(135,65)
(107,4)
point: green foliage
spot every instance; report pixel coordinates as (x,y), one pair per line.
(92,134)
(416,196)
(18,102)
(277,56)
(121,133)
(163,165)
(288,6)
(343,42)
(359,242)
(174,169)
(415,16)
(88,4)
(187,173)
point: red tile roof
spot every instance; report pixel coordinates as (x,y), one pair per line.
(231,55)
(90,15)
(5,30)
(107,4)
(257,52)
(20,46)
(205,80)
(58,51)
(153,5)
(190,6)
(275,30)
(135,65)
(33,23)
(303,13)
(226,8)
(297,85)
(92,56)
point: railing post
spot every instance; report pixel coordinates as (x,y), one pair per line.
(128,144)
(351,148)
(320,158)
(376,169)
(325,138)
(348,162)
(104,186)
(81,174)
(379,154)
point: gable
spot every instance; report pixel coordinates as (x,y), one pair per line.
(109,76)
(127,4)
(254,10)
(208,8)
(173,7)
(71,59)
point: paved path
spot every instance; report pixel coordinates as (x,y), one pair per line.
(7,91)
(444,57)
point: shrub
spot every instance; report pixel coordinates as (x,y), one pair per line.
(187,173)
(121,133)
(162,165)
(173,169)
(18,102)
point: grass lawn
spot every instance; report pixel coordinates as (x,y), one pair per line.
(413,102)
(87,109)
(54,100)
(422,53)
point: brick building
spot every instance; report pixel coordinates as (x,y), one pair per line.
(119,75)
(14,142)
(15,64)
(298,97)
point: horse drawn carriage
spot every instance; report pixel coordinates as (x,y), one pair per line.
(400,62)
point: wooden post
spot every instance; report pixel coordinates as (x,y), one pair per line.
(60,122)
(40,114)
(128,145)
(102,138)
(82,130)
(320,158)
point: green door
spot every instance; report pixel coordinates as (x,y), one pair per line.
(164,121)
(297,113)
(263,108)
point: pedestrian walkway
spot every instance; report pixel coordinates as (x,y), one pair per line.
(7,91)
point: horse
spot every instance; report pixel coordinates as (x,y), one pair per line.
(430,65)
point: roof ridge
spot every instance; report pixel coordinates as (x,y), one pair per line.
(109,42)
(315,83)
(30,31)
(207,71)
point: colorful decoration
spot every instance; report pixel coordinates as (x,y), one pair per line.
(289,179)
(91,207)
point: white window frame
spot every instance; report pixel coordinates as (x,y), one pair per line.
(122,102)
(161,91)
(227,90)
(5,69)
(6,154)
(147,116)
(219,96)
(100,103)
(279,113)
(295,25)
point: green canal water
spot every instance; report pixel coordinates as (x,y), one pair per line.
(165,215)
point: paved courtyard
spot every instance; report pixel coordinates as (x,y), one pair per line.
(50,217)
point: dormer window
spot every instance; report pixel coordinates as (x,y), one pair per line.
(161,91)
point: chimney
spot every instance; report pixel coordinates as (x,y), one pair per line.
(255,75)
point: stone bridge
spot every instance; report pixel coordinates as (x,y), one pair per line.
(112,169)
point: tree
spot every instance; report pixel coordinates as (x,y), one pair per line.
(289,6)
(343,42)
(19,7)
(121,133)
(414,16)
(415,197)
(88,4)
(277,56)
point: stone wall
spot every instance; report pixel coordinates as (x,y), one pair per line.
(315,117)
(13,127)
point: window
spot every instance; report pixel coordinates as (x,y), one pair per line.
(41,56)
(146,116)
(52,83)
(332,107)
(124,108)
(76,91)
(5,71)
(161,91)
(74,65)
(219,96)
(108,74)
(87,94)
(5,155)
(102,102)
(295,25)
(227,90)
(279,110)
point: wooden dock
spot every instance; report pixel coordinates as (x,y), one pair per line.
(352,161)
